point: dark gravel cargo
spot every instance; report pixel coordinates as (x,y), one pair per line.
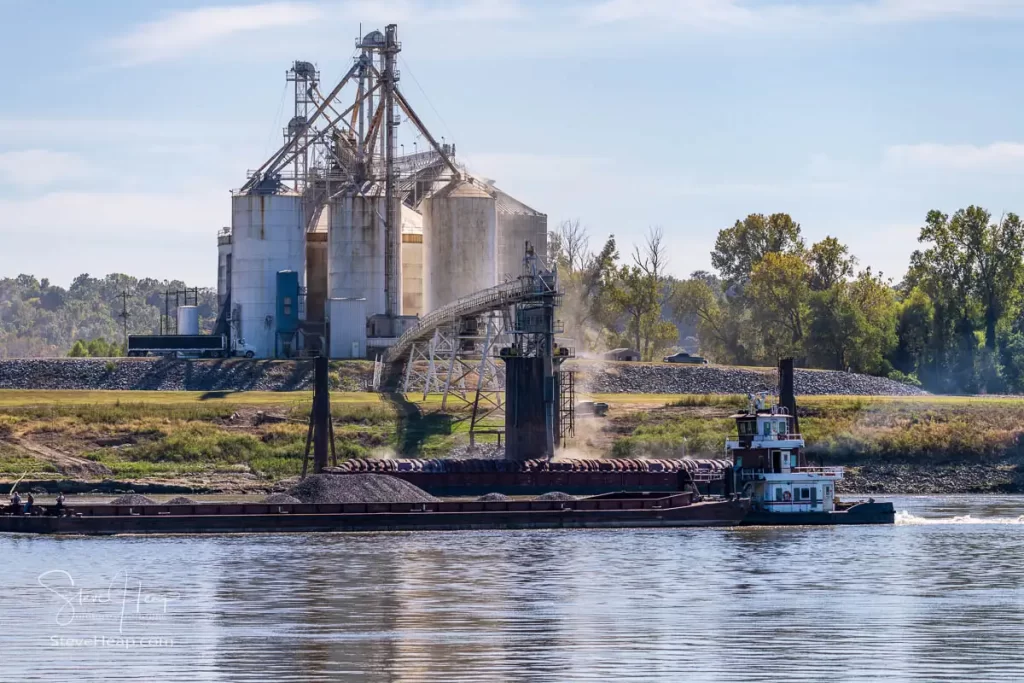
(358,488)
(555,495)
(493,498)
(280,499)
(133,499)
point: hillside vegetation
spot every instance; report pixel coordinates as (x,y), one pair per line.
(39,319)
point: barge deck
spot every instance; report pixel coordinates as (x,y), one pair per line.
(680,510)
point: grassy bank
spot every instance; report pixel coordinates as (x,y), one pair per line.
(246,439)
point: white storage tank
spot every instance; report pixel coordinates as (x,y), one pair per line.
(459,243)
(517,225)
(355,249)
(412,261)
(267,236)
(347,320)
(188,320)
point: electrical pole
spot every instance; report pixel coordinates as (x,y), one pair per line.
(124,315)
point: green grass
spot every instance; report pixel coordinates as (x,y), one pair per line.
(184,434)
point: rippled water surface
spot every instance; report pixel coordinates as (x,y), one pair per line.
(938,597)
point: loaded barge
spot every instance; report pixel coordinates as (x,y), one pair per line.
(598,512)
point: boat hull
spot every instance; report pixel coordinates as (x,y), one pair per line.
(701,514)
(861,513)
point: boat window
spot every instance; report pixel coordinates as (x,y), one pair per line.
(782,427)
(767,429)
(778,493)
(805,494)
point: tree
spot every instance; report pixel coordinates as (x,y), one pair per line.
(778,298)
(638,294)
(998,250)
(698,299)
(831,263)
(79,350)
(739,248)
(914,320)
(584,276)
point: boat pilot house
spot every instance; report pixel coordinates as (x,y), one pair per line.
(770,467)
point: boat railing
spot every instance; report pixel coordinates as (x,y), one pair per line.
(826,471)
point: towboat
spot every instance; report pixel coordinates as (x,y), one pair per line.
(770,467)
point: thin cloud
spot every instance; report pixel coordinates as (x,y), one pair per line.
(178,33)
(998,156)
(35,168)
(738,14)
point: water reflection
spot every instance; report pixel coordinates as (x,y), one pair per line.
(929,602)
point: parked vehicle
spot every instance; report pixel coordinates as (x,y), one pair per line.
(621,354)
(683,357)
(187,346)
(595,408)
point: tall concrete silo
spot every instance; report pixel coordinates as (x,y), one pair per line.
(459,243)
(223,267)
(412,262)
(356,249)
(517,225)
(267,236)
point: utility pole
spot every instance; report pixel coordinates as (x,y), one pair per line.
(124,315)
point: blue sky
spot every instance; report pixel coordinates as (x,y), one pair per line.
(124,124)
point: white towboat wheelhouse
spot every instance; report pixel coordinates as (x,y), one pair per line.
(769,464)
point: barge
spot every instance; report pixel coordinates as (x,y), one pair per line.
(600,512)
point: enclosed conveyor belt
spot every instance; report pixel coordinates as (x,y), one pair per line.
(523,289)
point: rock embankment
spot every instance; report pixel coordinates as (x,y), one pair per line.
(160,374)
(156,374)
(644,378)
(1005,476)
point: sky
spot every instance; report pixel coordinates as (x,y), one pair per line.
(124,125)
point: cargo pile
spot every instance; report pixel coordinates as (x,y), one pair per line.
(358,488)
(384,466)
(181,500)
(133,499)
(493,498)
(555,495)
(280,499)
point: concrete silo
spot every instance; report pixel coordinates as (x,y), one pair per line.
(267,236)
(356,249)
(412,261)
(517,225)
(223,267)
(459,243)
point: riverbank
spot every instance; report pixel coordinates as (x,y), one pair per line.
(242,442)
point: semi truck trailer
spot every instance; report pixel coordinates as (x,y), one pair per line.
(187,346)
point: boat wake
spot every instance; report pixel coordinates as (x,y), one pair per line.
(904,518)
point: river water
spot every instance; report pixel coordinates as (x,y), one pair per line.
(938,597)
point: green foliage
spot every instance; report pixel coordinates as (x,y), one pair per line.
(911,380)
(830,263)
(96,348)
(39,319)
(739,248)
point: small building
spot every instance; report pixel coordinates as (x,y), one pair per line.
(621,354)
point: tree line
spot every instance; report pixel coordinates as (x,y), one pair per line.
(954,323)
(40,319)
